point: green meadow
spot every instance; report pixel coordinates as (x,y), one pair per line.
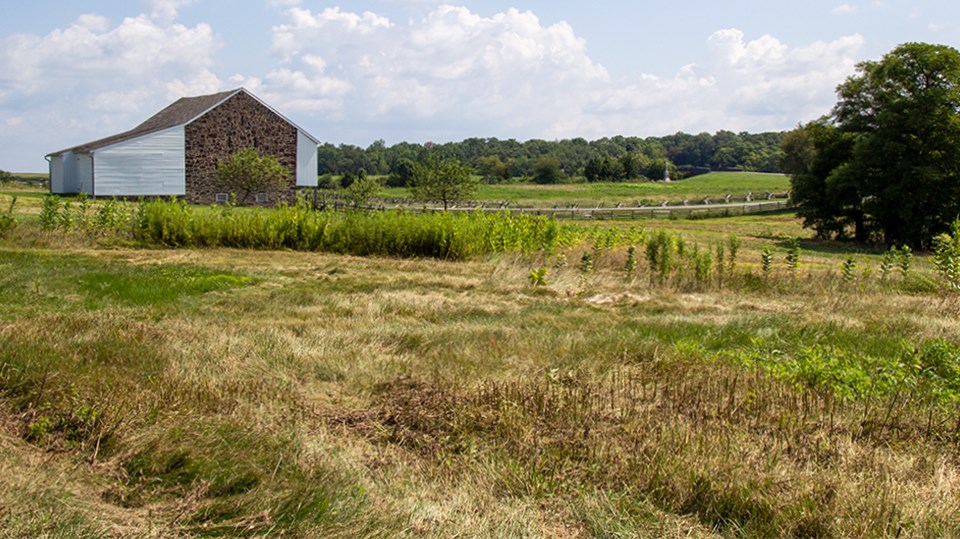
(714,185)
(176,371)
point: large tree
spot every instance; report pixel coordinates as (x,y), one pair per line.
(887,161)
(445,180)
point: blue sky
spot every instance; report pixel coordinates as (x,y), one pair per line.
(420,70)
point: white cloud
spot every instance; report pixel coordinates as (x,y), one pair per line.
(454,73)
(451,65)
(449,74)
(165,11)
(93,77)
(844,9)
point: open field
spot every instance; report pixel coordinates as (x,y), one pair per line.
(715,185)
(216,392)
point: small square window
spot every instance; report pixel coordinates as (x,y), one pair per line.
(262,198)
(222,198)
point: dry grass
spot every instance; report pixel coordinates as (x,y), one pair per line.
(338,396)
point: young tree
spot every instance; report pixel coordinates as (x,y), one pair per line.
(445,180)
(246,171)
(894,168)
(547,170)
(362,190)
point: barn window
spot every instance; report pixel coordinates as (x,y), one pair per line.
(222,198)
(262,198)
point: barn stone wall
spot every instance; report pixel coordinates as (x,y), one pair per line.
(240,122)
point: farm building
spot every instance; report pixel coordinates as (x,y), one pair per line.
(176,151)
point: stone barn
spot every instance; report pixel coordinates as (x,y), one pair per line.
(176,151)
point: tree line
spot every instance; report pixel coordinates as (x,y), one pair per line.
(608,159)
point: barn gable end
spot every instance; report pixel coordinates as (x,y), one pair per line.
(239,122)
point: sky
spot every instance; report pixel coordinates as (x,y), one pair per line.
(355,72)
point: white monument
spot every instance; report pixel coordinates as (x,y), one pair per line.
(666,174)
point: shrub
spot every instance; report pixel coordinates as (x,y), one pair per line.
(7,221)
(946,255)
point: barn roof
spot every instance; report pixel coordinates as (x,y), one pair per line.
(180,112)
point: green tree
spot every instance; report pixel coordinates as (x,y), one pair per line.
(657,167)
(547,170)
(246,171)
(445,180)
(493,169)
(6,176)
(894,171)
(402,173)
(823,182)
(363,189)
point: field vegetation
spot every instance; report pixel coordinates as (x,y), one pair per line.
(714,185)
(720,377)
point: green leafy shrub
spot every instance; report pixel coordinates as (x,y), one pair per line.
(7,221)
(946,255)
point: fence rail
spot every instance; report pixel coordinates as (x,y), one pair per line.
(595,213)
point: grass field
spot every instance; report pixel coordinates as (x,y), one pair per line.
(715,185)
(215,392)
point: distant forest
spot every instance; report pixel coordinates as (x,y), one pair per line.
(608,159)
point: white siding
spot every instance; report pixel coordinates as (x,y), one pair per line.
(84,173)
(56,174)
(70,183)
(153,164)
(75,171)
(306,160)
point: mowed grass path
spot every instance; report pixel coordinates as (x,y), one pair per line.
(714,185)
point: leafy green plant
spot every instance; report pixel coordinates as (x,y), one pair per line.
(847,269)
(904,259)
(538,276)
(721,262)
(793,256)
(766,262)
(946,255)
(630,266)
(887,262)
(733,248)
(7,220)
(50,212)
(586,263)
(660,254)
(702,264)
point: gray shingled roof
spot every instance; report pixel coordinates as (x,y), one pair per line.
(181,112)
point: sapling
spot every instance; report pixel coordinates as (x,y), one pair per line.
(586,263)
(793,256)
(631,264)
(49,212)
(847,269)
(538,276)
(946,255)
(766,262)
(887,263)
(733,247)
(904,259)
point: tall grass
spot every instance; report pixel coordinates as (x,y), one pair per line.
(390,233)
